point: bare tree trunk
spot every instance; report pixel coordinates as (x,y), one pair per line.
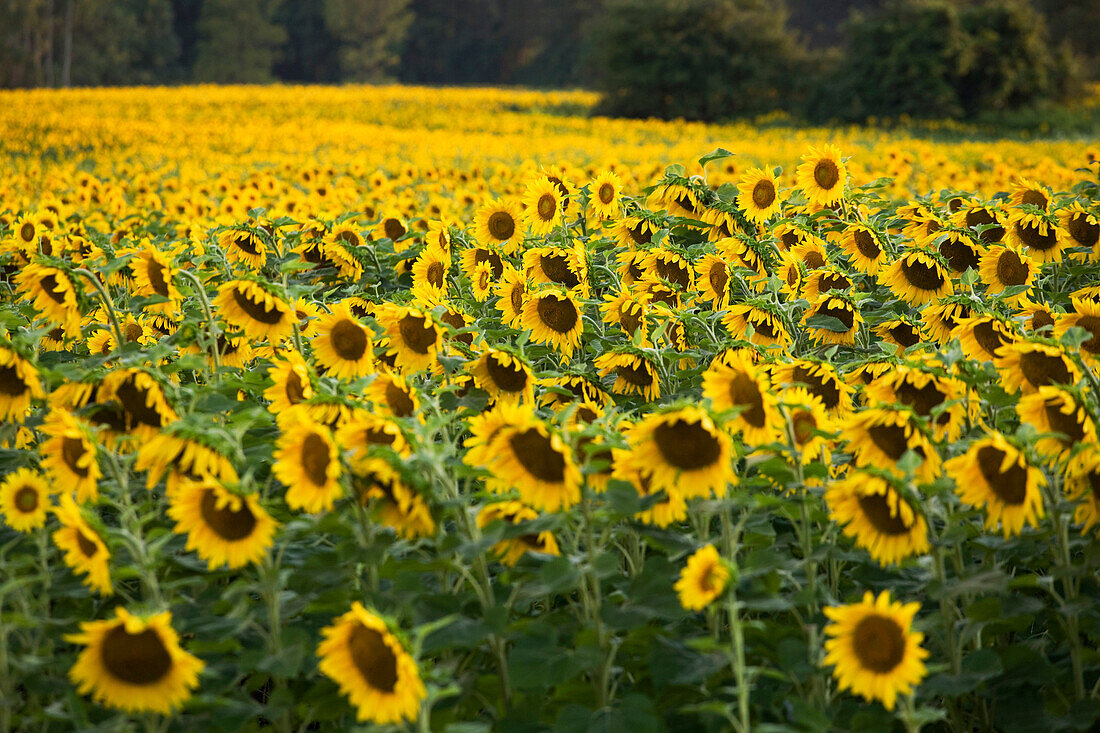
(67,63)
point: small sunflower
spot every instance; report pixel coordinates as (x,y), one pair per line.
(1055,410)
(876,515)
(19,385)
(1044,241)
(243,246)
(758,195)
(512,549)
(414,337)
(224,528)
(371,667)
(873,649)
(635,231)
(1026,366)
(901,332)
(1083,485)
(671,267)
(153,276)
(133,664)
(1082,227)
(863,246)
(85,551)
(606,195)
(845,323)
(24,500)
(247,305)
(663,507)
(924,392)
(880,436)
(503,375)
(713,280)
(811,428)
(1026,192)
(959,250)
(917,278)
(684,451)
(542,206)
(396,504)
(529,456)
(822,176)
(392,394)
(497,224)
(554,319)
(983,337)
(69,456)
(737,383)
(307,461)
(359,434)
(343,345)
(512,294)
(178,457)
(54,295)
(481,282)
(703,579)
(634,374)
(821,379)
(430,270)
(1086,315)
(993,474)
(292,382)
(561,265)
(1004,266)
(767,328)
(628,310)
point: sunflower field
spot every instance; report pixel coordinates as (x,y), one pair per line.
(459,410)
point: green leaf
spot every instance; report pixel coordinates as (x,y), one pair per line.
(716,154)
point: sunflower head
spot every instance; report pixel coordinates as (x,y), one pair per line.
(24,500)
(703,579)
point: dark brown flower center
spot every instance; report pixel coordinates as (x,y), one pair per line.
(745,392)
(990,337)
(399,401)
(905,335)
(132,332)
(136,659)
(866,245)
(49,286)
(839,310)
(559,315)
(258,311)
(10,381)
(155,272)
(637,373)
(673,270)
(981,217)
(349,340)
(72,450)
(1011,270)
(876,508)
(1035,197)
(1011,485)
(1092,325)
(763,194)
(921,275)
(1083,233)
(891,440)
(959,254)
(25,499)
(820,385)
(418,333)
(719,278)
(804,424)
(435,274)
(832,281)
(813,259)
(135,401)
(826,174)
(495,263)
(373,658)
(641,234)
(393,228)
(763,324)
(537,455)
(687,446)
(86,546)
(1041,369)
(228,524)
(294,389)
(501,226)
(507,378)
(921,399)
(556,269)
(247,242)
(546,207)
(879,643)
(315,459)
(26,232)
(1034,238)
(1060,422)
(606,193)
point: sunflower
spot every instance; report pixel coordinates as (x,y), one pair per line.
(528,455)
(133,664)
(634,374)
(635,231)
(983,337)
(503,375)
(880,436)
(19,384)
(987,218)
(995,475)
(483,428)
(924,392)
(54,295)
(430,270)
(571,388)
(678,198)
(1038,315)
(338,252)
(178,457)
(224,528)
(758,195)
(863,246)
(292,382)
(511,292)
(901,332)
(1044,240)
(26,230)
(767,328)
(1083,485)
(307,461)
(24,499)
(820,378)
(1029,365)
(873,649)
(713,280)
(414,338)
(684,451)
(554,319)
(737,383)
(606,195)
(941,318)
(561,265)
(1082,227)
(1005,266)
(248,306)
(85,551)
(822,176)
(392,227)
(917,277)
(392,395)
(343,345)
(141,399)
(371,667)
(878,517)
(1055,410)
(703,579)
(395,503)
(845,323)
(69,456)
(512,549)
(496,224)
(1086,316)
(1026,192)
(153,278)
(243,246)
(542,206)
(811,428)
(662,507)
(628,310)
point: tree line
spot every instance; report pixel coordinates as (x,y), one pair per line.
(700,59)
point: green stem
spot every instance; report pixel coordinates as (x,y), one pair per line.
(1069,590)
(107,303)
(211,325)
(133,524)
(595,596)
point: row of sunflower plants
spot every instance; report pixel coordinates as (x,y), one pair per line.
(697,457)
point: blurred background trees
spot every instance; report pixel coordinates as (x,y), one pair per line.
(700,59)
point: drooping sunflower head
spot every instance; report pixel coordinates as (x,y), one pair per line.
(901,332)
(84,550)
(1028,365)
(1082,227)
(54,294)
(554,318)
(881,436)
(292,382)
(371,667)
(982,337)
(878,517)
(141,398)
(873,649)
(560,265)
(307,461)
(1026,192)
(634,373)
(19,385)
(503,375)
(959,250)
(833,319)
(634,232)
(224,528)
(517,514)
(1062,413)
(1086,315)
(251,307)
(395,502)
(134,664)
(918,277)
(243,246)
(69,455)
(1040,234)
(765,327)
(512,294)
(153,277)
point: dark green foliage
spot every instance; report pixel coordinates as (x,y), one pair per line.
(369,33)
(697,59)
(125,42)
(940,59)
(238,41)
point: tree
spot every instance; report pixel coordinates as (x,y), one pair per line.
(123,42)
(238,41)
(370,33)
(698,59)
